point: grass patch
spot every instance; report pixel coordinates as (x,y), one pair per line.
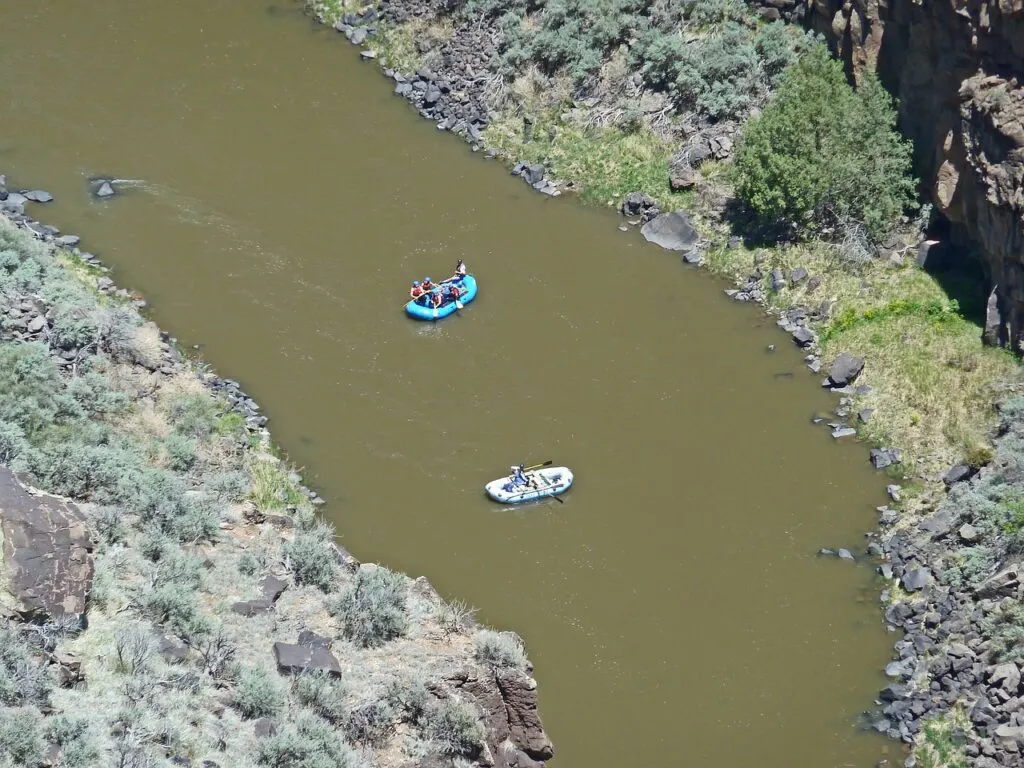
(942,742)
(933,382)
(273,490)
(398,46)
(606,163)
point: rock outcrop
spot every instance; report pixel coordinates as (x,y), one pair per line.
(47,560)
(957,69)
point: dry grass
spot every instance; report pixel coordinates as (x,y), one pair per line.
(934,383)
(605,163)
(397,46)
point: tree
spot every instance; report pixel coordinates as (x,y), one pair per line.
(823,154)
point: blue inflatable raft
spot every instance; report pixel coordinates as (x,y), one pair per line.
(540,483)
(468,286)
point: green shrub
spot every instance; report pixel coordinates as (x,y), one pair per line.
(310,558)
(230,486)
(1005,629)
(321,693)
(408,694)
(454,727)
(307,743)
(370,723)
(21,740)
(24,679)
(499,649)
(108,524)
(971,565)
(177,606)
(181,452)
(12,442)
(822,154)
(194,415)
(373,608)
(257,694)
(30,386)
(76,740)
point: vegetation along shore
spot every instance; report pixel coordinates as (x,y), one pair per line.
(170,595)
(762,141)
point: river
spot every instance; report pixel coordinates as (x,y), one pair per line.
(282,200)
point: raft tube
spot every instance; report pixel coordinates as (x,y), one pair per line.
(549,481)
(468,286)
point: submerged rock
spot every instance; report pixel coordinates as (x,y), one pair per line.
(103,189)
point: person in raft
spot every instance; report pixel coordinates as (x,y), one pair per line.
(452,292)
(416,291)
(460,272)
(518,478)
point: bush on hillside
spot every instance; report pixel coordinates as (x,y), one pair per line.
(21,738)
(373,608)
(310,557)
(307,743)
(257,694)
(822,155)
(708,55)
(499,649)
(454,727)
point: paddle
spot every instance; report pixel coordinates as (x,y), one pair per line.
(547,463)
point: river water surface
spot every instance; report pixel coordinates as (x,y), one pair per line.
(672,605)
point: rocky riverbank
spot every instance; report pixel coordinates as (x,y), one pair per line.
(169,595)
(877,327)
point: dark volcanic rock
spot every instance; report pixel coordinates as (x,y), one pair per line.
(915,579)
(47,563)
(803,337)
(957,474)
(845,369)
(520,694)
(885,457)
(673,231)
(294,659)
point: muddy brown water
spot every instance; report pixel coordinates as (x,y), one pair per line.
(283,200)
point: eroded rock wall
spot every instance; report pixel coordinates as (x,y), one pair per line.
(956,67)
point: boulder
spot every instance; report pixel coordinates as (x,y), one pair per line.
(39,196)
(1002,584)
(1005,676)
(968,533)
(845,369)
(682,177)
(915,579)
(803,337)
(957,473)
(885,457)
(47,553)
(939,523)
(294,659)
(673,231)
(533,174)
(797,276)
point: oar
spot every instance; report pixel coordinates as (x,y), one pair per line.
(547,463)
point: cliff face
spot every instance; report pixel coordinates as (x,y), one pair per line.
(956,67)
